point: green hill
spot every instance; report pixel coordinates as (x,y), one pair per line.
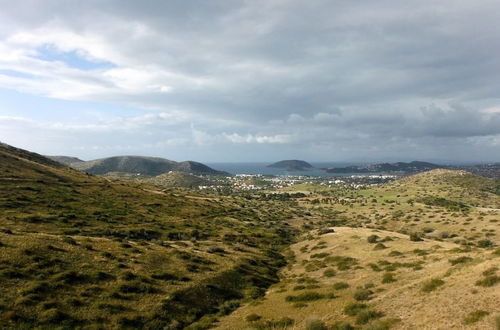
(82,251)
(178,179)
(142,165)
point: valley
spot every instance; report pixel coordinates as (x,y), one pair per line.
(85,251)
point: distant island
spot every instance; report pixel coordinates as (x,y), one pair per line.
(401,167)
(292,165)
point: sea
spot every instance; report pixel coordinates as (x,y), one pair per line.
(261,168)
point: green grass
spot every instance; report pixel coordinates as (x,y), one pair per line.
(82,250)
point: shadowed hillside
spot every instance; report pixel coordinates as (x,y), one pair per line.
(142,165)
(82,251)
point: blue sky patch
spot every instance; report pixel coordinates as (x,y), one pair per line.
(16,74)
(72,59)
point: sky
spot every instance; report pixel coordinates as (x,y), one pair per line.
(254,80)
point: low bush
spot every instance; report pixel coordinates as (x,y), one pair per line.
(485,243)
(432,285)
(330,272)
(340,286)
(320,255)
(315,324)
(253,317)
(379,246)
(306,296)
(363,294)
(365,316)
(415,237)
(341,325)
(460,260)
(354,308)
(488,281)
(475,316)
(388,278)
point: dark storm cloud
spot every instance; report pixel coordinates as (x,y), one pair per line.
(370,76)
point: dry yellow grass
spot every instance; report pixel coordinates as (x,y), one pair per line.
(444,308)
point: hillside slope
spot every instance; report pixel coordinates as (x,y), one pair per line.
(142,165)
(178,179)
(83,251)
(374,279)
(418,253)
(66,160)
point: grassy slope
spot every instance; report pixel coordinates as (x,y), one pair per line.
(393,210)
(78,250)
(320,264)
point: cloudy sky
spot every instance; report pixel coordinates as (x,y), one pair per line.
(259,80)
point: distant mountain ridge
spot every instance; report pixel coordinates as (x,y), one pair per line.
(137,165)
(66,160)
(292,165)
(411,167)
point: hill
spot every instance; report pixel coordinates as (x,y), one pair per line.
(142,165)
(389,256)
(80,251)
(66,160)
(400,167)
(178,179)
(292,165)
(361,278)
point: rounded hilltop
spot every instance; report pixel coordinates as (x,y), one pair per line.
(292,165)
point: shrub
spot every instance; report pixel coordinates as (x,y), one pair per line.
(253,317)
(354,308)
(475,316)
(460,260)
(299,305)
(228,306)
(137,287)
(379,246)
(52,315)
(372,239)
(395,254)
(388,278)
(342,325)
(216,249)
(69,240)
(306,296)
(299,287)
(415,237)
(488,281)
(490,271)
(165,276)
(326,231)
(315,324)
(365,316)
(432,284)
(329,272)
(384,324)
(363,294)
(484,243)
(71,277)
(320,255)
(340,286)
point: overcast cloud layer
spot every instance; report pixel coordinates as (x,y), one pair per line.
(252,80)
